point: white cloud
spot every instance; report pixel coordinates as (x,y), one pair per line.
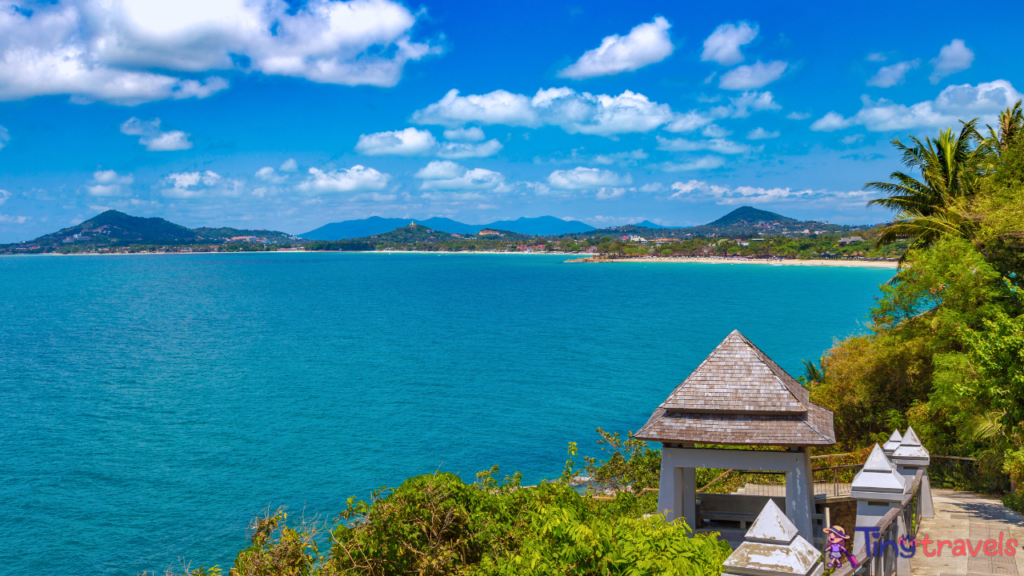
(100,50)
(154,139)
(466,150)
(954,103)
(719,145)
(408,142)
(761,134)
(574,112)
(167,142)
(700,191)
(498,107)
(756,75)
(5,137)
(471,134)
(876,57)
(610,193)
(108,183)
(752,100)
(830,122)
(627,158)
(352,179)
(440,170)
(889,76)
(447,175)
(289,165)
(268,174)
(581,178)
(652,187)
(715,131)
(645,44)
(954,57)
(4,195)
(601,115)
(723,46)
(8,219)
(185,185)
(798,115)
(704,163)
(852,138)
(689,121)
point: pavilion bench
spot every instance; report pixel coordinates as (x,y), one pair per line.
(740,508)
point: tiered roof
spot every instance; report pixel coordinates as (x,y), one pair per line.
(739,396)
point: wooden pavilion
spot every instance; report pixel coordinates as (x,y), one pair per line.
(738,397)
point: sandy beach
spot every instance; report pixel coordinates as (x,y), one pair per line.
(835,263)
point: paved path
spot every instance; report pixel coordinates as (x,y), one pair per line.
(966,515)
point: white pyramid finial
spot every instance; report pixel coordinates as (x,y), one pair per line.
(893,443)
(772,525)
(910,452)
(877,476)
(772,547)
(910,438)
(877,462)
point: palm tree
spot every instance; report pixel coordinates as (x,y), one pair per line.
(951,167)
(1010,128)
(812,373)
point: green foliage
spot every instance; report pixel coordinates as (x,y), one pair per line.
(630,465)
(438,525)
(946,348)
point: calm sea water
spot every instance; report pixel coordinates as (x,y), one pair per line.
(152,405)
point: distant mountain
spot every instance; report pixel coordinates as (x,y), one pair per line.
(117,228)
(749,215)
(375,225)
(542,226)
(649,224)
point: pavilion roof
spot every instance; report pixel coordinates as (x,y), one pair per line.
(739,396)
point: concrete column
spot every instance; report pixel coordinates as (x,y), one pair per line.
(670,488)
(689,481)
(877,488)
(799,500)
(909,457)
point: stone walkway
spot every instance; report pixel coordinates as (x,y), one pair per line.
(966,515)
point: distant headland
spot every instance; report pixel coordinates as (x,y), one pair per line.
(746,232)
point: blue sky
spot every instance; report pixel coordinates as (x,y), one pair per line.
(267,114)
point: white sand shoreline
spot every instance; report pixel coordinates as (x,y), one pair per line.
(575,258)
(675,259)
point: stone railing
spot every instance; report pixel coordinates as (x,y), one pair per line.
(881,556)
(892,497)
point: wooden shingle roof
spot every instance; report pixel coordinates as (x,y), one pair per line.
(739,396)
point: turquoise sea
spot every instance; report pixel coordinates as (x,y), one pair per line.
(152,405)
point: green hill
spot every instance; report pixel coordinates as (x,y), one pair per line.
(748,215)
(117,229)
(113,226)
(411,234)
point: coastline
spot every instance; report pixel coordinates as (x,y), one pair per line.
(683,259)
(578,260)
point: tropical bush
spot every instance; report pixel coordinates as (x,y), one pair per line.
(945,352)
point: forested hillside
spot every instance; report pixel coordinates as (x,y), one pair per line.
(946,348)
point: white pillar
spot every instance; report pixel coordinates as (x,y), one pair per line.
(910,457)
(800,500)
(670,488)
(877,488)
(690,497)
